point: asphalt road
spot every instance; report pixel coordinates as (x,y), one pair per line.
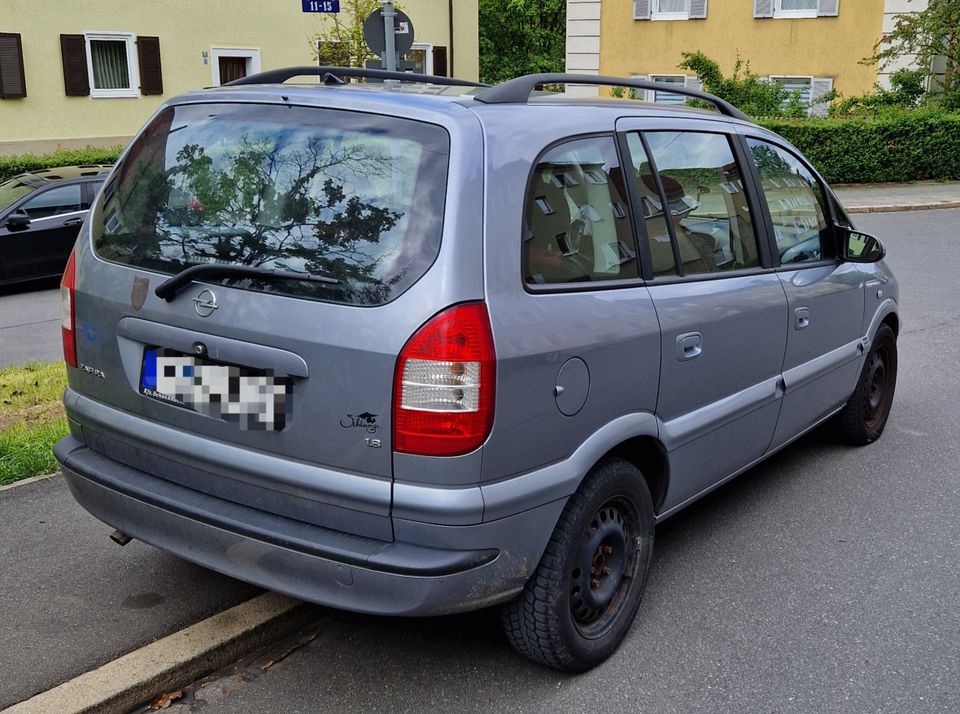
(74,600)
(30,323)
(827,579)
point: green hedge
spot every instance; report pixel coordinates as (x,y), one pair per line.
(893,146)
(13,165)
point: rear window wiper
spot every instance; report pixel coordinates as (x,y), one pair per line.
(169,288)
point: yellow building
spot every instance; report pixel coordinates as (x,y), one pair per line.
(812,46)
(90,72)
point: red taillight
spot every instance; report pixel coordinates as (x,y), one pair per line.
(68,311)
(444,385)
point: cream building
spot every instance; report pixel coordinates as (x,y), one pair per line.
(90,72)
(812,46)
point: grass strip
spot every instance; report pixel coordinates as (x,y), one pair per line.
(31,419)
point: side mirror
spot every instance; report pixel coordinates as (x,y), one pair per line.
(18,220)
(861,247)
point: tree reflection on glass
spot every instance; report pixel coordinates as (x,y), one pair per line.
(286,198)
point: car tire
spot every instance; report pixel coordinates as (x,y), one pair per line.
(862,419)
(581,600)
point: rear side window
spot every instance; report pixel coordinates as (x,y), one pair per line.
(796,203)
(350,196)
(577,227)
(702,198)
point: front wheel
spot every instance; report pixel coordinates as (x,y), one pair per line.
(863,418)
(580,602)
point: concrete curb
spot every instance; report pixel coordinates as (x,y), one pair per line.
(174,661)
(26,481)
(891,208)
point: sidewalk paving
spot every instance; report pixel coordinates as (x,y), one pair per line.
(74,600)
(887,197)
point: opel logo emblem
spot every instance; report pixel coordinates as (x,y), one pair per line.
(205,303)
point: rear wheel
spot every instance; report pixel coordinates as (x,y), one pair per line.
(581,600)
(863,418)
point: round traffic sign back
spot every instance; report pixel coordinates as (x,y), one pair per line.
(373,32)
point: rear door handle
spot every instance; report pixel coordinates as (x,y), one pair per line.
(73,222)
(801,318)
(689,346)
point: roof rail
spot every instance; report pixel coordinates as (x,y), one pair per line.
(334,75)
(517,91)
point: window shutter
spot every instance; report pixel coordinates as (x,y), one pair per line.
(820,87)
(73,50)
(641,9)
(12,83)
(440,62)
(151,77)
(828,8)
(693,82)
(763,8)
(698,9)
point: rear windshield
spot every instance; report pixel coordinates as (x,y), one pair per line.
(354,197)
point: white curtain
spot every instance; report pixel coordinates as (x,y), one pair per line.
(674,6)
(798,4)
(109,64)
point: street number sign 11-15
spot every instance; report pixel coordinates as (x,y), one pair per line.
(320,5)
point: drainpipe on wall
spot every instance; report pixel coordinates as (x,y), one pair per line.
(450,16)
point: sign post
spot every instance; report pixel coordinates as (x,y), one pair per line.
(389,34)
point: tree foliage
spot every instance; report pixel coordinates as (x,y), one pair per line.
(748,92)
(928,35)
(907,91)
(341,43)
(521,37)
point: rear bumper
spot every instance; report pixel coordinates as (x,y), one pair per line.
(479,565)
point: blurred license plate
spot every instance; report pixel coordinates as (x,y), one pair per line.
(252,398)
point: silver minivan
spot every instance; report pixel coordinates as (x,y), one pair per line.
(415,346)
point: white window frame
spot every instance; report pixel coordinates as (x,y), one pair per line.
(651,94)
(251,54)
(793,14)
(779,77)
(655,13)
(427,55)
(133,66)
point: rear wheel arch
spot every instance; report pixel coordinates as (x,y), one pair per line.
(894,323)
(648,455)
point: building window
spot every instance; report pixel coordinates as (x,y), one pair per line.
(797,85)
(112,64)
(812,91)
(796,8)
(419,59)
(680,81)
(671,9)
(229,64)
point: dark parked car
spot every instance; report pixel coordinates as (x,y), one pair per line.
(40,216)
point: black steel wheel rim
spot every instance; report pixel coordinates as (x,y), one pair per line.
(877,402)
(605,567)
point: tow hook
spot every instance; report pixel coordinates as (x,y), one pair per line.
(120,538)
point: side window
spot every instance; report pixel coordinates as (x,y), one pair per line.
(64,199)
(703,199)
(658,235)
(796,204)
(578,227)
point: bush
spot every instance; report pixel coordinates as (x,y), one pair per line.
(13,165)
(892,145)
